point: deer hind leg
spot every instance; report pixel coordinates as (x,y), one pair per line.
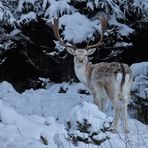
(125,103)
(126,96)
(125,117)
(118,107)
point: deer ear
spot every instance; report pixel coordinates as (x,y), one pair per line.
(71,50)
(91,51)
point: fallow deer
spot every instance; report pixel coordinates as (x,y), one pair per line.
(105,80)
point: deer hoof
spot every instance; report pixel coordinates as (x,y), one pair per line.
(126,131)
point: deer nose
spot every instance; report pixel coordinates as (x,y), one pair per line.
(81,60)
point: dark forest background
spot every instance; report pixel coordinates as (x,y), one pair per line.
(26,41)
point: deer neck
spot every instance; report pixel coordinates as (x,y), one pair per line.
(83,72)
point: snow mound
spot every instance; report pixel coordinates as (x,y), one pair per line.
(139,69)
(140,86)
(140,75)
(24,130)
(89,112)
(42,102)
(39,117)
(6,89)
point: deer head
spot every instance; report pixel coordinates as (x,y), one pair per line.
(81,55)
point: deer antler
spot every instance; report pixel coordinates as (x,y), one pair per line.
(55,27)
(103,20)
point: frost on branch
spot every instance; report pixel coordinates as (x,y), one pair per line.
(77,28)
(22,2)
(27,17)
(141,7)
(58,8)
(28,10)
(6,14)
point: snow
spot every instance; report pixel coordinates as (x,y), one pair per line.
(22,131)
(123,29)
(6,15)
(90,112)
(21,2)
(45,113)
(80,30)
(140,86)
(78,27)
(45,2)
(1,16)
(15,32)
(140,75)
(83,28)
(116,9)
(25,18)
(139,68)
(106,4)
(122,44)
(90,5)
(26,117)
(58,7)
(142,5)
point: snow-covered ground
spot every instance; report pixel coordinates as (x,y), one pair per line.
(61,117)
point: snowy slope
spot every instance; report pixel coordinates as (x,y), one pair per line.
(27,116)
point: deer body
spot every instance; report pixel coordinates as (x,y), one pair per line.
(105,80)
